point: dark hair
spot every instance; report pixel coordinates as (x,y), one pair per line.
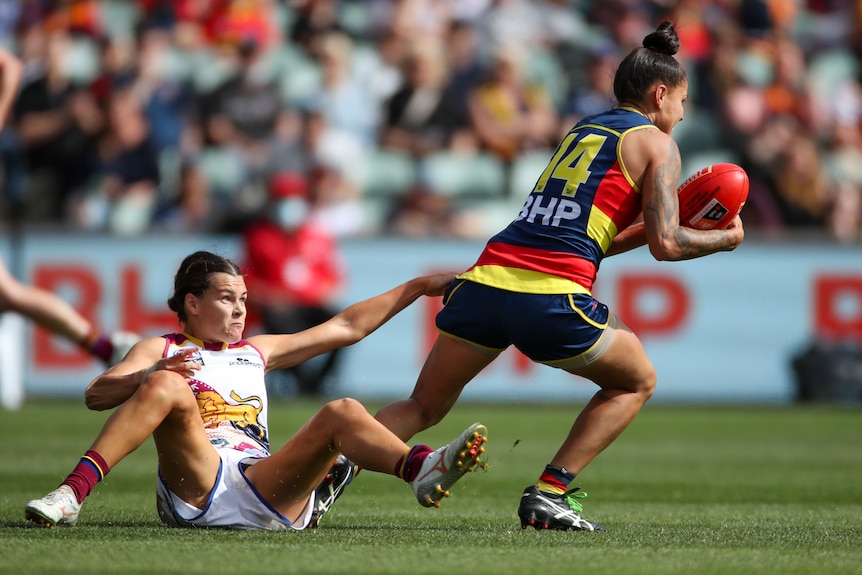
(194,277)
(652,63)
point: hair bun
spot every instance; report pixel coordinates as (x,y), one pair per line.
(664,39)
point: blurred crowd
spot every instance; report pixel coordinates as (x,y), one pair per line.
(421,118)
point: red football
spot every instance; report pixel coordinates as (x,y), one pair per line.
(711,197)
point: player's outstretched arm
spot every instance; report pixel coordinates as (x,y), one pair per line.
(348,326)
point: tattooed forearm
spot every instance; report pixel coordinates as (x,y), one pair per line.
(694,243)
(661,211)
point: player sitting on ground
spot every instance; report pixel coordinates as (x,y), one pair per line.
(201,395)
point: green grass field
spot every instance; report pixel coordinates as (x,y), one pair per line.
(687,490)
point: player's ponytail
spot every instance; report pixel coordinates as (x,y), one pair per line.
(664,39)
(652,63)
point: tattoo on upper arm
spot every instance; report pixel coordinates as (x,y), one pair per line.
(665,184)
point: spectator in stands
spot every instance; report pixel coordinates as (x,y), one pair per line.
(57,125)
(418,18)
(240,121)
(192,210)
(313,19)
(509,115)
(335,191)
(126,192)
(787,92)
(464,59)
(244,110)
(625,20)
(347,104)
(82,17)
(167,100)
(116,66)
(596,94)
(296,271)
(801,183)
(424,113)
(424,213)
(842,163)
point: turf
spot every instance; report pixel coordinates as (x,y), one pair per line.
(688,490)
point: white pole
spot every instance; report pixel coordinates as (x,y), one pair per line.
(11,361)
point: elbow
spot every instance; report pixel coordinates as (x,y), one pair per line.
(94,401)
(665,251)
(354,336)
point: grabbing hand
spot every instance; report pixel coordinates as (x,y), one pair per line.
(437,283)
(180,363)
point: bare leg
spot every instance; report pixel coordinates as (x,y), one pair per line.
(42,307)
(627,379)
(287,478)
(449,367)
(164,407)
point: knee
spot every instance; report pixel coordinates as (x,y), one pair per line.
(344,409)
(165,386)
(640,383)
(646,383)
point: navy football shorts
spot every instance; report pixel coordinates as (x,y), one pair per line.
(561,330)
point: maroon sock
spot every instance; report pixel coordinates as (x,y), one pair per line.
(99,345)
(408,468)
(90,470)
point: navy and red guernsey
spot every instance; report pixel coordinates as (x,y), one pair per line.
(581,201)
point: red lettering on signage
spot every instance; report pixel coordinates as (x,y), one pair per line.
(46,351)
(137,317)
(829,320)
(632,291)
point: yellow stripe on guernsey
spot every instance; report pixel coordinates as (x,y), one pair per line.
(521,281)
(601,228)
(623,168)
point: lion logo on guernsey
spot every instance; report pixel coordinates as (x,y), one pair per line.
(242,415)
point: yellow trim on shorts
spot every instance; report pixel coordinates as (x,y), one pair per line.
(584,316)
(454,289)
